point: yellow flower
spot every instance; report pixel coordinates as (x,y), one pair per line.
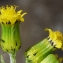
(9,14)
(56,37)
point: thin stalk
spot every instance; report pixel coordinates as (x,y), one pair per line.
(1,59)
(12,57)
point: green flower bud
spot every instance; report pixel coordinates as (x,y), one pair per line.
(50,59)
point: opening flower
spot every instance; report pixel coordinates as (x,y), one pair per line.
(56,37)
(41,52)
(9,15)
(10,20)
(10,40)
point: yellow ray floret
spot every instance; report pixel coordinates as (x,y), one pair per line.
(56,37)
(9,14)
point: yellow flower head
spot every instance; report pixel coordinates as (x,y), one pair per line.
(56,37)
(9,14)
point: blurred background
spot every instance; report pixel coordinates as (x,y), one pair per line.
(41,14)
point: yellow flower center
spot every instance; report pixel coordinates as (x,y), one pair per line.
(9,14)
(56,37)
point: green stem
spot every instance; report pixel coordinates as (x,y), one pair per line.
(1,59)
(12,57)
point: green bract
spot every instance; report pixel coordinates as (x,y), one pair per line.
(10,37)
(39,51)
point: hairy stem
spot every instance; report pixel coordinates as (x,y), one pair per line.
(12,57)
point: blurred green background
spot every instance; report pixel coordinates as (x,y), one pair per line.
(41,14)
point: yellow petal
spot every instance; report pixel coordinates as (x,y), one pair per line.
(10,14)
(56,37)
